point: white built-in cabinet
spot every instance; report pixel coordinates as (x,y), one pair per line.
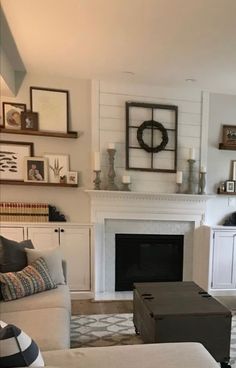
(74,241)
(214,261)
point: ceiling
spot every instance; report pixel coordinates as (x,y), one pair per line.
(160,42)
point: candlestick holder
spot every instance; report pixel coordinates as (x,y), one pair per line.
(191,178)
(111,173)
(179,186)
(202,183)
(125,187)
(97,180)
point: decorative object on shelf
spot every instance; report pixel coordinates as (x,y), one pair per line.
(230,186)
(111,172)
(179,181)
(234,170)
(230,220)
(29,120)
(58,166)
(202,181)
(97,180)
(36,169)
(52,106)
(156,134)
(55,215)
(12,114)
(24,212)
(229,135)
(12,159)
(72,177)
(125,183)
(221,188)
(191,163)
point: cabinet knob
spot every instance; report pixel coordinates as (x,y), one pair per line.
(62,230)
(56,230)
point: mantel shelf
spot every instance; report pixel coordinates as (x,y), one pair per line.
(225,147)
(228,193)
(41,133)
(38,183)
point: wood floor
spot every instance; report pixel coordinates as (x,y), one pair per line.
(105,307)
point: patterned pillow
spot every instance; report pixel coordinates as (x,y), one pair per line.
(17,349)
(31,280)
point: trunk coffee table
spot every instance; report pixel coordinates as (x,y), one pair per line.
(182,312)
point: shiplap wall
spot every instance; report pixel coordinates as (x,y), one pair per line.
(108,126)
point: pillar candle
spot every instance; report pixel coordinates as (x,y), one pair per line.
(179,177)
(192,154)
(203,169)
(126,179)
(111,145)
(97,163)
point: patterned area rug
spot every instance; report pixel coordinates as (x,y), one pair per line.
(116,329)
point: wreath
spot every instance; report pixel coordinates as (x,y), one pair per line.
(152,124)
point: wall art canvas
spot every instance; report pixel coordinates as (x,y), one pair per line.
(12,159)
(58,166)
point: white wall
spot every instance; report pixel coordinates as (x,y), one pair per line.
(108,124)
(73,202)
(222,111)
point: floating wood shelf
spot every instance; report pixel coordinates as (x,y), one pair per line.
(41,133)
(38,183)
(228,193)
(225,147)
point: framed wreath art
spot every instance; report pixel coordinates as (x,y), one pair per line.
(151,137)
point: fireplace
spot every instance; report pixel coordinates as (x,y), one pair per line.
(147,258)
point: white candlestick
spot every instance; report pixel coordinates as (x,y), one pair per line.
(179,177)
(203,169)
(97,162)
(111,145)
(126,179)
(192,154)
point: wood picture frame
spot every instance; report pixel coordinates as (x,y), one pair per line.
(11,112)
(12,159)
(36,169)
(52,106)
(29,120)
(58,166)
(229,135)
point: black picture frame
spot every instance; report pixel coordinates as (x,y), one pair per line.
(29,120)
(11,112)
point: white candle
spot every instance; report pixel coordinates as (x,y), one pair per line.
(126,179)
(203,169)
(97,163)
(192,154)
(179,177)
(111,145)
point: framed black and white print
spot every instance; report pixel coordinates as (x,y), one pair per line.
(35,169)
(12,156)
(230,186)
(12,115)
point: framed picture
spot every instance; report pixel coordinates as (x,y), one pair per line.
(52,106)
(12,114)
(58,166)
(230,186)
(29,120)
(72,177)
(35,169)
(234,170)
(12,159)
(229,135)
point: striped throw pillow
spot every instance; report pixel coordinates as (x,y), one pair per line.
(17,349)
(31,280)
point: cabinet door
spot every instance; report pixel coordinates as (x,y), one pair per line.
(224,260)
(75,247)
(44,237)
(13,233)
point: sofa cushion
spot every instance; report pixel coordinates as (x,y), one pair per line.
(171,355)
(55,298)
(53,259)
(17,349)
(32,279)
(50,328)
(12,254)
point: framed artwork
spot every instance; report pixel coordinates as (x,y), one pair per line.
(29,120)
(229,135)
(35,169)
(230,186)
(234,170)
(12,159)
(58,166)
(12,114)
(72,177)
(52,106)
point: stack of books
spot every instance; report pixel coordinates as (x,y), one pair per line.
(24,212)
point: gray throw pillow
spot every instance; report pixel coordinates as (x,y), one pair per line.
(12,254)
